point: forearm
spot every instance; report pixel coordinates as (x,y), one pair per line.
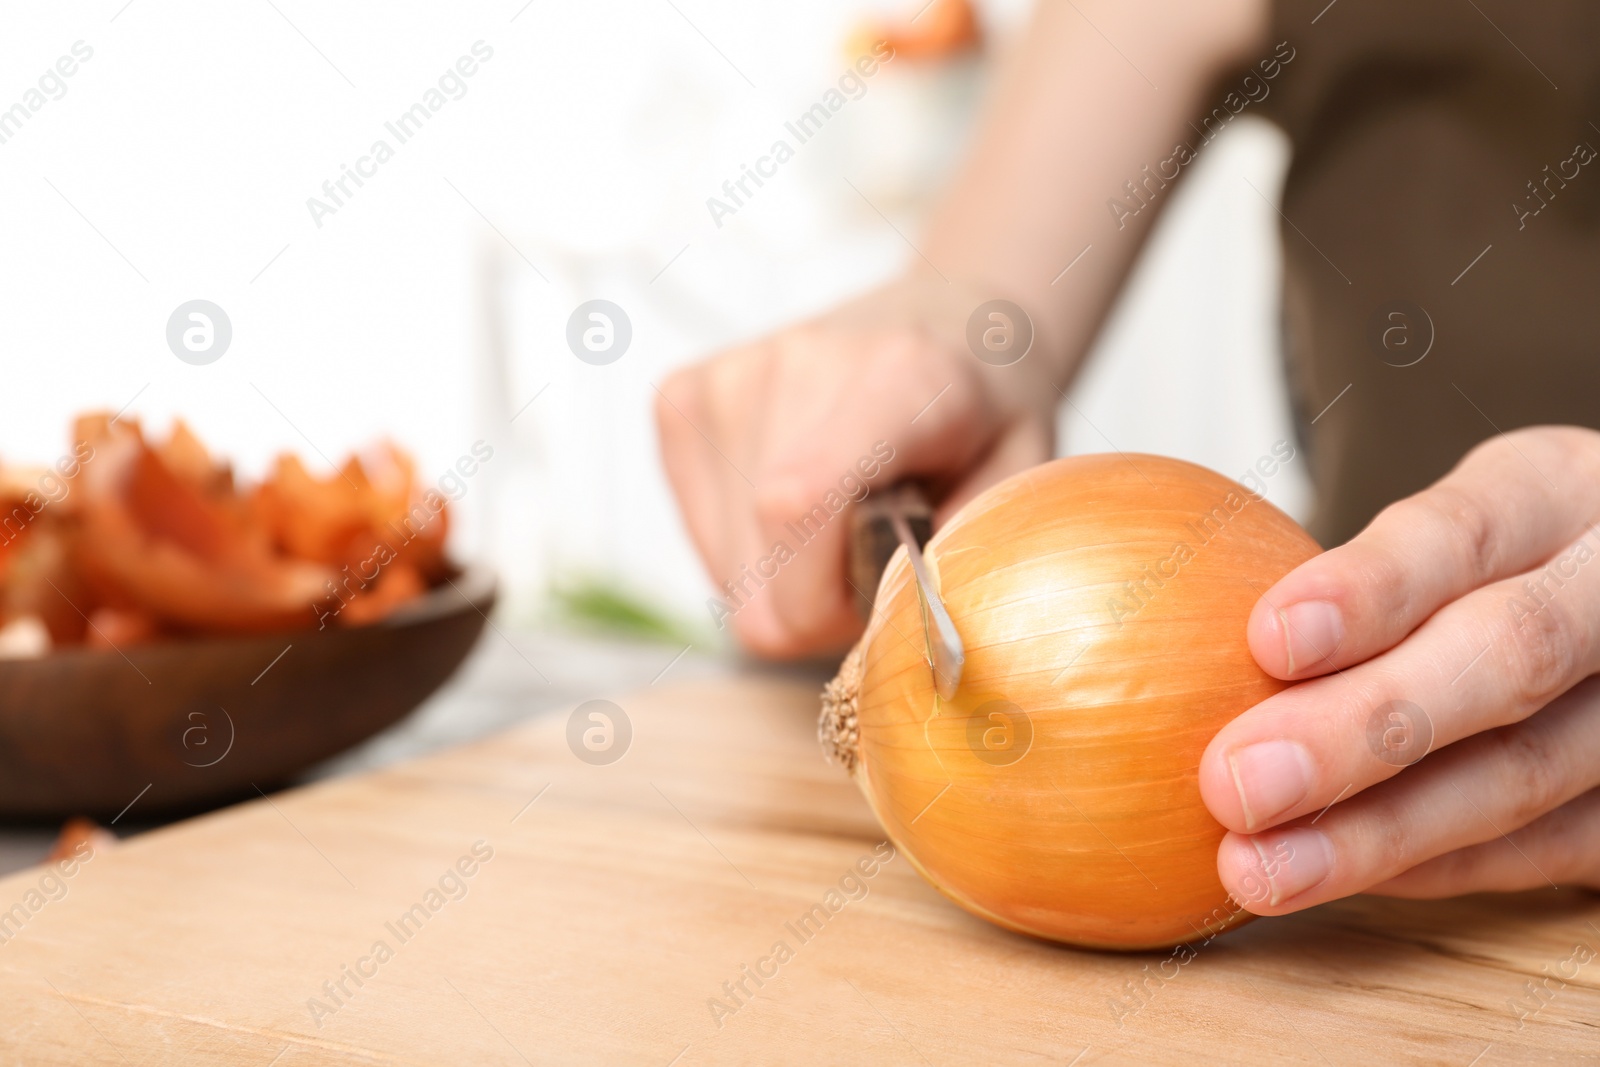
(1098,91)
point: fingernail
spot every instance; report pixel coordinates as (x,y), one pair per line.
(1271,777)
(1293,861)
(1312,631)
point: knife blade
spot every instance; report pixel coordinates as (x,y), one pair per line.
(901,516)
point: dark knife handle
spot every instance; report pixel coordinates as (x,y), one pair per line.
(872,536)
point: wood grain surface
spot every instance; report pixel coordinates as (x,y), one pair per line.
(616,905)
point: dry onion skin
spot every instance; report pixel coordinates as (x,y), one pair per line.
(1102,601)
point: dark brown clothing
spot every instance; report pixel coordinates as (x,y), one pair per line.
(1418,126)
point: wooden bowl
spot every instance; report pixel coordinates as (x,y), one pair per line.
(207,719)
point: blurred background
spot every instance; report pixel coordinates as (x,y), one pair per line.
(431,305)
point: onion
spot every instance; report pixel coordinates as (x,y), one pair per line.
(1102,601)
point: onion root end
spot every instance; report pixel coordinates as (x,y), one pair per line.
(838,729)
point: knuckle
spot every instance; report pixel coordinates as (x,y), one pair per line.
(1531,759)
(1384,558)
(1367,573)
(1489,449)
(1547,650)
(1388,840)
(1474,528)
(779,500)
(1547,448)
(1507,447)
(762,637)
(903,356)
(1573,835)
(1574,446)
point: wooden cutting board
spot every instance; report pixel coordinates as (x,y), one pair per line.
(599,922)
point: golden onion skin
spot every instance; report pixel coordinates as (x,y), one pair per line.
(1093,832)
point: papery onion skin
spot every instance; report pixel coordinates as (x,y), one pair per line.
(1096,835)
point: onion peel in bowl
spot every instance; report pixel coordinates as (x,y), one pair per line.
(1102,602)
(129,541)
(145,535)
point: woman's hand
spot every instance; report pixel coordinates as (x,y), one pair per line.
(1463,624)
(756,437)
(759,438)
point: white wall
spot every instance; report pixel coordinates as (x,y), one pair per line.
(178,164)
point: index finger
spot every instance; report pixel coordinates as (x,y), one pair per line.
(910,411)
(1509,505)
